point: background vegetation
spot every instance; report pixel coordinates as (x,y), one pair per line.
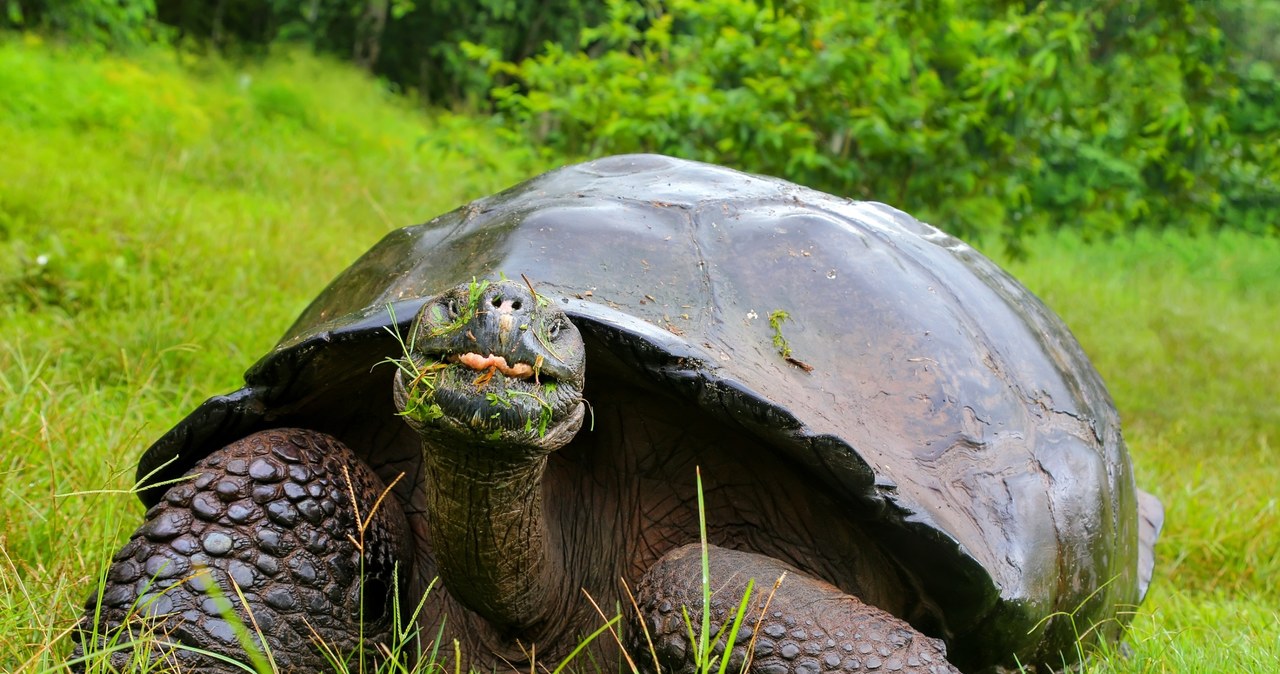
(175,188)
(998,118)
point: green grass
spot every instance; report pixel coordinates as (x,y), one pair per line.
(163,219)
(1185,333)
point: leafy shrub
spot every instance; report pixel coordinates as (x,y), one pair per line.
(992,119)
(420,49)
(111,22)
(411,43)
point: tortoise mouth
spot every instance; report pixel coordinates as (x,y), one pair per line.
(484,393)
(491,364)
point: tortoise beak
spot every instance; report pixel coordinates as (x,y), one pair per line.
(505,323)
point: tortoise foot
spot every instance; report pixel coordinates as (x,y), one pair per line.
(260,548)
(809,626)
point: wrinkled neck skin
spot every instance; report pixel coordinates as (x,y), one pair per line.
(489,535)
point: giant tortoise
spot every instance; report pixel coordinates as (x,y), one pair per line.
(903,449)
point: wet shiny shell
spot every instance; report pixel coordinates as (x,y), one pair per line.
(931,391)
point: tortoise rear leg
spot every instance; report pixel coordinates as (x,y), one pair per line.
(809,627)
(272,516)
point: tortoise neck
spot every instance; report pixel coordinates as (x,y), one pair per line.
(489,535)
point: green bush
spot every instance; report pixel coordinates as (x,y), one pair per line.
(414,45)
(991,119)
(411,43)
(421,48)
(113,22)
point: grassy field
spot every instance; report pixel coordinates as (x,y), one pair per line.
(1184,333)
(163,220)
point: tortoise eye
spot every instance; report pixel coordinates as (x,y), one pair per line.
(436,314)
(453,307)
(554,330)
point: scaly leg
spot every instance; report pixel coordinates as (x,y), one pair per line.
(270,517)
(810,626)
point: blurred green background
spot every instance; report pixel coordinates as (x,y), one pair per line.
(178,179)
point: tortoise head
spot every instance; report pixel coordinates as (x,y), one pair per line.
(496,363)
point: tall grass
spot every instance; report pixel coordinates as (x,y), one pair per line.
(163,219)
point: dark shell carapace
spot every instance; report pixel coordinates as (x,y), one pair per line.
(945,402)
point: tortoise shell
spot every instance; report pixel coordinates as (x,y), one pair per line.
(943,403)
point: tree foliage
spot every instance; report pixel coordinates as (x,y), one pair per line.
(412,43)
(104,22)
(990,118)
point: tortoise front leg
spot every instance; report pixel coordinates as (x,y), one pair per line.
(810,626)
(269,517)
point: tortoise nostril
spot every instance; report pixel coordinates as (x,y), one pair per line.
(501,302)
